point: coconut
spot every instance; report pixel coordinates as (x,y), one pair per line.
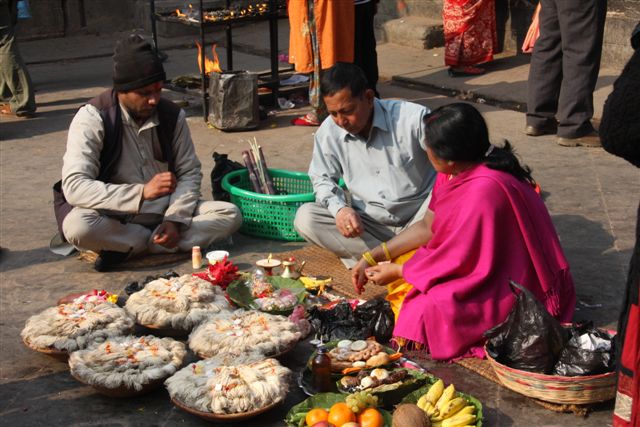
(409,415)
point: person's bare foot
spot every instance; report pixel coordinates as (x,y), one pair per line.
(5,109)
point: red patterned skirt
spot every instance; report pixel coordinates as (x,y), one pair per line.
(627,410)
(470,36)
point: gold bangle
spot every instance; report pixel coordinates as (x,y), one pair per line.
(369,258)
(386,251)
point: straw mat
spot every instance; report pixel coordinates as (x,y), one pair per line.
(321,262)
(144,262)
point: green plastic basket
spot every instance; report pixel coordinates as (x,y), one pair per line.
(265,215)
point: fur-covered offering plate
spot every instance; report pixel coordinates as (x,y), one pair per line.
(176,305)
(242,332)
(59,330)
(229,388)
(127,366)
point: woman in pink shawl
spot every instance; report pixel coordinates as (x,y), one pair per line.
(485,225)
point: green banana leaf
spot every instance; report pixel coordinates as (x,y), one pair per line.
(296,415)
(415,395)
(240,293)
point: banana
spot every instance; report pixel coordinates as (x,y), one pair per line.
(430,409)
(436,423)
(469,409)
(447,395)
(422,402)
(435,391)
(452,407)
(459,420)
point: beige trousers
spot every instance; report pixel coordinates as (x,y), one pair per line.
(89,229)
(316,225)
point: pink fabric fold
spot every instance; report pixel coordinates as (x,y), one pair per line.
(488,228)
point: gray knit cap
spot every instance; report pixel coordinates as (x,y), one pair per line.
(135,64)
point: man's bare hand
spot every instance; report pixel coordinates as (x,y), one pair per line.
(160,185)
(167,234)
(348,223)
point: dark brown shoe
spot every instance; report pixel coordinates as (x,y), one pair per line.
(589,140)
(548,129)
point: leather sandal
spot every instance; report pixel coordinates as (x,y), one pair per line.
(306,120)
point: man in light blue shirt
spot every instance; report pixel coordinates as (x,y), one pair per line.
(377,147)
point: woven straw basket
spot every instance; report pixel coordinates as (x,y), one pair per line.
(554,388)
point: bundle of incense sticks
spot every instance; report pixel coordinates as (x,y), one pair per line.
(257,166)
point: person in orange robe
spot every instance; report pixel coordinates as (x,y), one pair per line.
(321,34)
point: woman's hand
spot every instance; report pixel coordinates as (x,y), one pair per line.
(358,277)
(383,274)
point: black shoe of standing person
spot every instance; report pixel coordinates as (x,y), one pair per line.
(548,128)
(109,259)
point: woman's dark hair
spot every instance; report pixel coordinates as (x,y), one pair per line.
(343,75)
(458,132)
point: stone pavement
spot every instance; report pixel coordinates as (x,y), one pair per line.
(592,197)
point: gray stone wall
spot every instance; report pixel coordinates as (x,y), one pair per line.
(59,18)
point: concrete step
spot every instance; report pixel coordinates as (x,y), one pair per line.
(414,31)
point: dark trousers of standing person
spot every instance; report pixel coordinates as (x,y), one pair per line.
(565,65)
(364,54)
(16,88)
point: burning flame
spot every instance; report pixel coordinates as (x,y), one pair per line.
(209,65)
(179,13)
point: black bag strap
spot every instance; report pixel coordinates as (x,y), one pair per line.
(168,113)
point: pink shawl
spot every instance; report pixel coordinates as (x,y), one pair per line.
(488,228)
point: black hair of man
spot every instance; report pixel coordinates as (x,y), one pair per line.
(343,75)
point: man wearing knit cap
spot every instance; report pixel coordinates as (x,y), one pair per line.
(131,178)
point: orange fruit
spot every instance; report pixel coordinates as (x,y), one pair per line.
(370,417)
(341,414)
(316,415)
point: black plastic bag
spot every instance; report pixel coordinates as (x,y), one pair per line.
(233,100)
(372,318)
(136,286)
(336,323)
(222,166)
(530,339)
(377,316)
(575,360)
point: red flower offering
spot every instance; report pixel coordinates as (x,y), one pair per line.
(221,273)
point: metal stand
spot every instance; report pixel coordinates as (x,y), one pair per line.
(272,16)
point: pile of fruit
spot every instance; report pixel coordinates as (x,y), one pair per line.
(445,408)
(358,410)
